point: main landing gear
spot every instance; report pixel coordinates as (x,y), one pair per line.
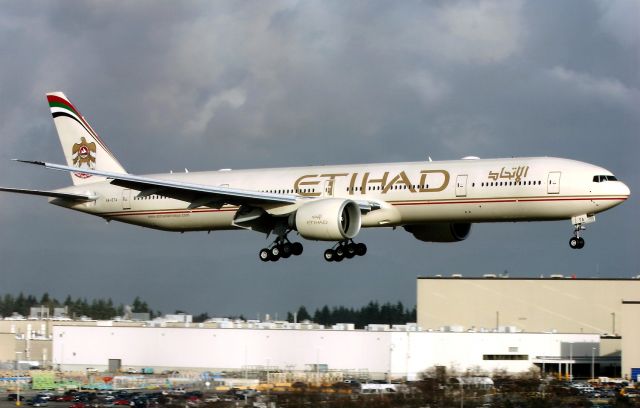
(344,249)
(281,248)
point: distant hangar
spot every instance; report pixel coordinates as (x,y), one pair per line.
(557,304)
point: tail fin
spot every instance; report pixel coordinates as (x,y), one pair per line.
(81,144)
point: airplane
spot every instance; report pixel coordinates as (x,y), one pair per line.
(435,201)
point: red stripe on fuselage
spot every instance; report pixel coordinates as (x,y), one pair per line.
(513,200)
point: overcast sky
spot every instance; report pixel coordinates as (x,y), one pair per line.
(208,85)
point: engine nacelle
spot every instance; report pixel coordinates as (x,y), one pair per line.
(329,219)
(440,232)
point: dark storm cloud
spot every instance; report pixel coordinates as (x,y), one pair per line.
(249,84)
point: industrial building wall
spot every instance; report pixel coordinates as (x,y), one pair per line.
(630,330)
(415,352)
(8,347)
(533,305)
(219,348)
(398,354)
(36,327)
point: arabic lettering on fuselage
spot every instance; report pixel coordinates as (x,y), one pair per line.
(427,181)
(516,173)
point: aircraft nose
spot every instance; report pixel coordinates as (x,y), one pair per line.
(625,190)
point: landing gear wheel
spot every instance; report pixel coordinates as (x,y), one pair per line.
(329,255)
(286,250)
(361,249)
(296,248)
(574,242)
(274,253)
(264,255)
(350,250)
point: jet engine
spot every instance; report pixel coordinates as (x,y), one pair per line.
(440,232)
(329,219)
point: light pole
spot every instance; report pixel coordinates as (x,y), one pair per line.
(593,354)
(18,402)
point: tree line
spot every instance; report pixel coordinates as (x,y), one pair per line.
(372,313)
(100,309)
(105,309)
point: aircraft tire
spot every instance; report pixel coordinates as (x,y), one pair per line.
(264,255)
(580,243)
(286,250)
(361,249)
(574,243)
(296,248)
(329,255)
(350,250)
(275,253)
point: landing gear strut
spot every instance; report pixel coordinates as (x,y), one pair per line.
(280,248)
(344,249)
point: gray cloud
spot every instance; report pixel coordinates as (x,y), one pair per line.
(227,84)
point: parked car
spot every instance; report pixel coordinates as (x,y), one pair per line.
(39,402)
(14,397)
(45,395)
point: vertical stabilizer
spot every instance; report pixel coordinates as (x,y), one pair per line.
(81,145)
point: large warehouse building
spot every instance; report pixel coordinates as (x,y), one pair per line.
(381,354)
(532,305)
(553,305)
(559,325)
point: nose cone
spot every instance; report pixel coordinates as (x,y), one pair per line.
(624,190)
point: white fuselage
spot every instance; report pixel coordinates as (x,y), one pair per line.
(487,190)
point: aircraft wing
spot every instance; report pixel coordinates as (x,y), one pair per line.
(196,194)
(52,194)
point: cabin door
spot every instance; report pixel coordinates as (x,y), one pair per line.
(461,186)
(553,182)
(126,199)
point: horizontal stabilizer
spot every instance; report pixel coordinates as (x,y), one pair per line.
(52,194)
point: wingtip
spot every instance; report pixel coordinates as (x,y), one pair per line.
(40,163)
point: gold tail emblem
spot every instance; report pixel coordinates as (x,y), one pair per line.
(82,153)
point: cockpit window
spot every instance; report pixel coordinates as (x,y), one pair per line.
(600,178)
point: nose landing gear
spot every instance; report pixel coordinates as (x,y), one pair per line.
(344,249)
(577,242)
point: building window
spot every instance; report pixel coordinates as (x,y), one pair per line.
(505,357)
